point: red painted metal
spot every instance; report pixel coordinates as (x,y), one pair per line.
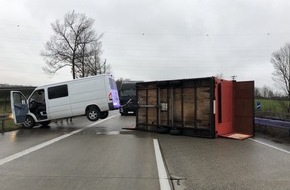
(234,108)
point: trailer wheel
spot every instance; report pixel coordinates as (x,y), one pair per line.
(29,122)
(104,114)
(93,113)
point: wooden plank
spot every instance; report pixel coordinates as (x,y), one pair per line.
(189,107)
(203,93)
(203,113)
(163,95)
(142,98)
(190,103)
(141,115)
(177,101)
(152,97)
(152,116)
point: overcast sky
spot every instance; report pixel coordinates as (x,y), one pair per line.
(151,39)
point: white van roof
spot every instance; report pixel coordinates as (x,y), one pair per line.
(74,80)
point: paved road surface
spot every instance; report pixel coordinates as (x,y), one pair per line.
(99,157)
(104,156)
(226,163)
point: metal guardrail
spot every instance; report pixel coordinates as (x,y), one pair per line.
(3,118)
(273,115)
(273,123)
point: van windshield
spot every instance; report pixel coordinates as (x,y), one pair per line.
(38,96)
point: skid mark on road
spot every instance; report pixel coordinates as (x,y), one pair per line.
(42,145)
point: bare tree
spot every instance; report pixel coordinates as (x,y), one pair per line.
(258,93)
(120,81)
(70,44)
(266,92)
(90,62)
(281,62)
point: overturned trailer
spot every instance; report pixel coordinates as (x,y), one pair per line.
(202,107)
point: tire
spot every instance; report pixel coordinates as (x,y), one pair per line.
(104,114)
(29,122)
(93,113)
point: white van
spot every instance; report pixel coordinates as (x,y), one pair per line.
(91,96)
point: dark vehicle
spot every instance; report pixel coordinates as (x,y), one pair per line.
(127,96)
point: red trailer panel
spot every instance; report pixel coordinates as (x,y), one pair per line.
(235,109)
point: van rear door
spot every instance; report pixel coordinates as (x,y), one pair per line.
(19,106)
(113,96)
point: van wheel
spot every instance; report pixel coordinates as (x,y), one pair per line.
(29,122)
(93,113)
(104,114)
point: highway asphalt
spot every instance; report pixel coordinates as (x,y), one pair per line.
(102,155)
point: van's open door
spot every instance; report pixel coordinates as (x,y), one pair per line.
(113,95)
(19,106)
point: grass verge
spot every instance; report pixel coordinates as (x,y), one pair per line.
(9,125)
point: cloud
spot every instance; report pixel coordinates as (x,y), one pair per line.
(153,40)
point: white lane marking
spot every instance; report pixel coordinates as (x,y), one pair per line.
(42,145)
(271,146)
(163,178)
